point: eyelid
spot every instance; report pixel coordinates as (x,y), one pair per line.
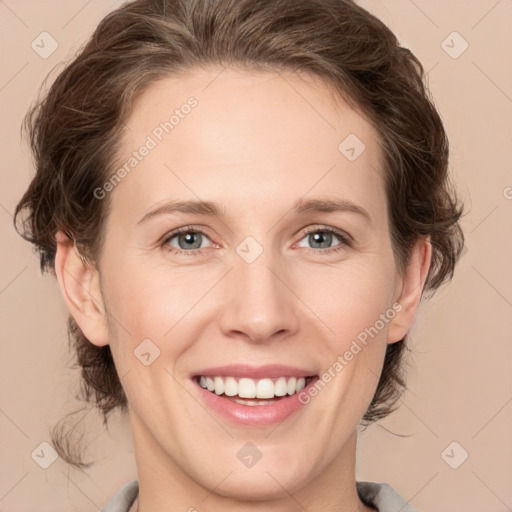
(345,238)
(343,235)
(184,229)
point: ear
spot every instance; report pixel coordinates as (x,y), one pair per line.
(410,288)
(80,287)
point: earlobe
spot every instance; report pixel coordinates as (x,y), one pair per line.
(79,285)
(410,289)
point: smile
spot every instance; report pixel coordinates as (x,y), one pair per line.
(253,396)
(241,388)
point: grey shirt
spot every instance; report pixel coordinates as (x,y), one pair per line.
(380,496)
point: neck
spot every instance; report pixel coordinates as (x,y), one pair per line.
(164,485)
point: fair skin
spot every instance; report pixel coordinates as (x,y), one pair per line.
(255,143)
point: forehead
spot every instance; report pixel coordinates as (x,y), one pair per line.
(224,134)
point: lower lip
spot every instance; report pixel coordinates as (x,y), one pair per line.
(253,415)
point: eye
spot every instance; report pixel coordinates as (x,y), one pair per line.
(189,241)
(322,238)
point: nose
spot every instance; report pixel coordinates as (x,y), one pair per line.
(258,304)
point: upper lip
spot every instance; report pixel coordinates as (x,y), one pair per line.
(255,372)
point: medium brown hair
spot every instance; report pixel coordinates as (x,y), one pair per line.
(76,130)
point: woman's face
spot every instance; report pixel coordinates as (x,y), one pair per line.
(260,290)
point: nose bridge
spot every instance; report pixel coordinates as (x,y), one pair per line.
(257,302)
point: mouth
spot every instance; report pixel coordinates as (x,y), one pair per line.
(253,392)
(250,396)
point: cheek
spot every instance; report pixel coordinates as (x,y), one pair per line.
(351,297)
(150,300)
(356,308)
(168,306)
(352,358)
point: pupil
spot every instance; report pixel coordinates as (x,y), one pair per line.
(317,237)
(189,238)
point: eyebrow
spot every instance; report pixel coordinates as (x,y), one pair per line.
(214,209)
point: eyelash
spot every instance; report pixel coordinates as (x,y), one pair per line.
(346,240)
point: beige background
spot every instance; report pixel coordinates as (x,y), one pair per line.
(460,377)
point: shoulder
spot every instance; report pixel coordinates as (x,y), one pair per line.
(124,498)
(383,497)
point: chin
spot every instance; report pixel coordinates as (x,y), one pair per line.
(245,486)
(265,480)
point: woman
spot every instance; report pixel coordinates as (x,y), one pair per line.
(293,145)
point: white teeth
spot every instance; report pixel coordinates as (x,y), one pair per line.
(281,387)
(250,388)
(292,384)
(210,386)
(265,389)
(252,402)
(247,388)
(230,387)
(219,385)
